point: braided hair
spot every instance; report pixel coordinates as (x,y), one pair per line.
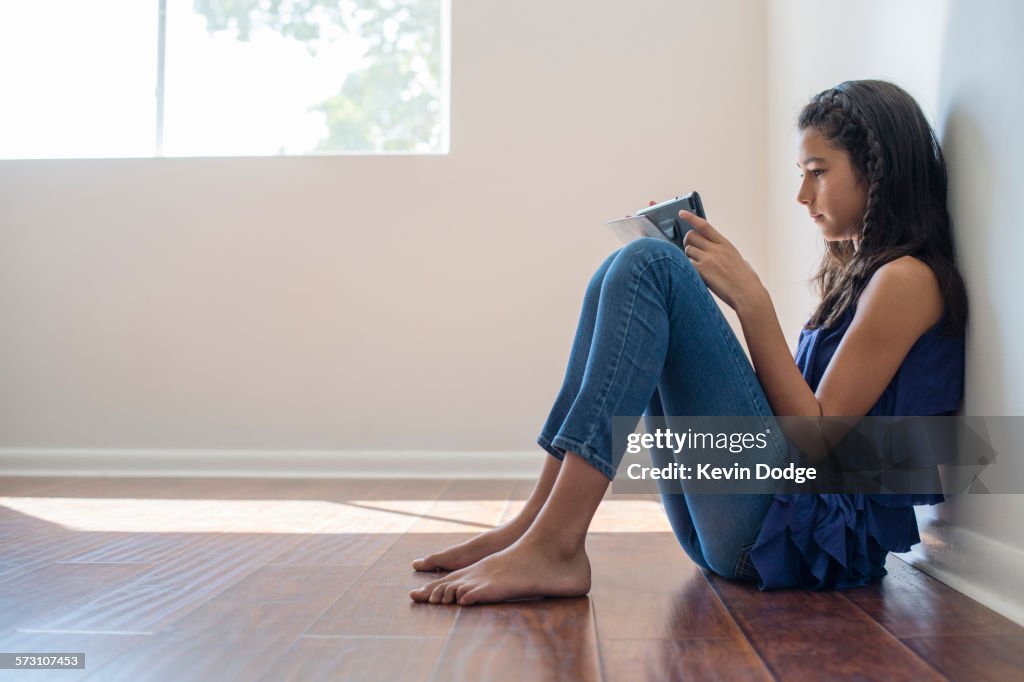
(896,156)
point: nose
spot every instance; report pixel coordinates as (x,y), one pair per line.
(804,196)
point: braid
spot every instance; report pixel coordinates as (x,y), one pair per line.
(874,155)
(897,160)
(834,112)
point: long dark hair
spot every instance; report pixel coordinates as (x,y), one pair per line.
(896,155)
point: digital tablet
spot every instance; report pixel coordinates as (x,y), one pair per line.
(660,221)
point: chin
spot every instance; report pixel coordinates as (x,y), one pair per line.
(830,235)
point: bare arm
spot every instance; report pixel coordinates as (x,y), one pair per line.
(783,384)
(899,304)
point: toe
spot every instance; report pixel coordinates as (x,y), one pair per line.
(423,592)
(462,590)
(470,596)
(448,597)
(437,593)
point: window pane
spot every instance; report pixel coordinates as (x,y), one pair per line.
(77,79)
(246,77)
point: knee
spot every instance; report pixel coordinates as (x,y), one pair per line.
(665,257)
(647,248)
(597,279)
(637,252)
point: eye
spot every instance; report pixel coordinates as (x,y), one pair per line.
(817,172)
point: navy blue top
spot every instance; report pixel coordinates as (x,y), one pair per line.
(837,541)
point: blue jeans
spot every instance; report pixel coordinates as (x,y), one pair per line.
(651,340)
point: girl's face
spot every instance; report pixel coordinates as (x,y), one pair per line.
(830,189)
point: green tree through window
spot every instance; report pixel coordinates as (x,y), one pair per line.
(394,101)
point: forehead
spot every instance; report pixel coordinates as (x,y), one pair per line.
(811,143)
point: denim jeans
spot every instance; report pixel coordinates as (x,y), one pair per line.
(651,340)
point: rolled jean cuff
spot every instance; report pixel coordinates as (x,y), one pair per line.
(543,441)
(560,444)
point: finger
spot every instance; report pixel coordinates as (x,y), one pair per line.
(695,238)
(703,226)
(693,253)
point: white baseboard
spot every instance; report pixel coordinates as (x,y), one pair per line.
(271,463)
(984,569)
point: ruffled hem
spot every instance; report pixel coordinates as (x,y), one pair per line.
(833,541)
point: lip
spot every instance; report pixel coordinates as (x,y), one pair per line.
(817,217)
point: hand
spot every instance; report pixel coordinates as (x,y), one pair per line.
(718,262)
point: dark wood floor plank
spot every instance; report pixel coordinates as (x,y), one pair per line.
(104,519)
(20,556)
(804,635)
(480,489)
(522,488)
(657,616)
(364,527)
(466,506)
(378,603)
(239,633)
(517,498)
(408,489)
(659,660)
(54,587)
(910,603)
(309,578)
(99,649)
(326,489)
(994,658)
(153,548)
(163,593)
(32,486)
(337,547)
(409,659)
(184,513)
(645,587)
(140,487)
(544,639)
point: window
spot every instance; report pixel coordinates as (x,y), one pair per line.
(136,78)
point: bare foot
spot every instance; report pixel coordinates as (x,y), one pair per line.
(527,568)
(471,551)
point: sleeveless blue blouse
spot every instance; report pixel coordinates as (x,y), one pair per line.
(837,541)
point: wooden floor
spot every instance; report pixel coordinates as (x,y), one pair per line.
(248,579)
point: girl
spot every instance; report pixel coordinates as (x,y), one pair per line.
(886,338)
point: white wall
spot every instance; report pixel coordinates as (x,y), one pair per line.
(964,63)
(359,303)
